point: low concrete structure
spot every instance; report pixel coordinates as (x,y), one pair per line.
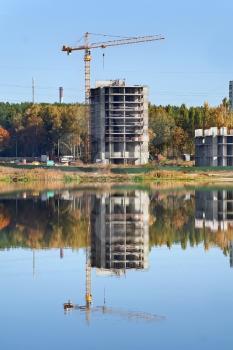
(214,147)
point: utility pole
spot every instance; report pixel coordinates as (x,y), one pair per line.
(61,94)
(16,146)
(33,263)
(33,91)
(58,148)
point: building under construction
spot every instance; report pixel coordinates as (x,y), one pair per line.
(120,232)
(119,123)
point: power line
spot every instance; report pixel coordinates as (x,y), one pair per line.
(44,87)
(38,87)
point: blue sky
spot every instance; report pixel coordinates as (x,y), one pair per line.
(194,64)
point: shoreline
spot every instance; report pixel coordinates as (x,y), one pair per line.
(94,174)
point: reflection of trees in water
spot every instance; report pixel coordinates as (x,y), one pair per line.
(42,224)
(4,217)
(174,221)
(222,239)
(57,223)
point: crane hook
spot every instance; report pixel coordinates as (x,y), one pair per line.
(103,59)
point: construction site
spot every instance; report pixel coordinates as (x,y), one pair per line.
(117,113)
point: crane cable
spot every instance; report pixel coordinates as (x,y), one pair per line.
(110,36)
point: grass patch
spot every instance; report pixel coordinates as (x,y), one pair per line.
(72,178)
(137,175)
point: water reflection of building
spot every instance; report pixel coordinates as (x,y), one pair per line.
(231,254)
(214,210)
(120,232)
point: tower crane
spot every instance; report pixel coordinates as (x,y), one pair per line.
(87,47)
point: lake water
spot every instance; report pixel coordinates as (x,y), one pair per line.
(158,264)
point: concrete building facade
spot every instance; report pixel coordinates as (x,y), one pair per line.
(214,147)
(231,94)
(119,123)
(120,232)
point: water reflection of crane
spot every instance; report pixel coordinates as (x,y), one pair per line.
(105,310)
(88,296)
(117,229)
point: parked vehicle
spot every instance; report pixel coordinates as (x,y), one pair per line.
(44,158)
(66,159)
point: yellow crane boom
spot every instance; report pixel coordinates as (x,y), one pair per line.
(102,45)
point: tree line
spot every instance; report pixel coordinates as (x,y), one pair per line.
(171,128)
(28,129)
(33,129)
(42,228)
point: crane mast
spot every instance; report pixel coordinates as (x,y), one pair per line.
(87,62)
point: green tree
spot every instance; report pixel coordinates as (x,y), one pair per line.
(161,125)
